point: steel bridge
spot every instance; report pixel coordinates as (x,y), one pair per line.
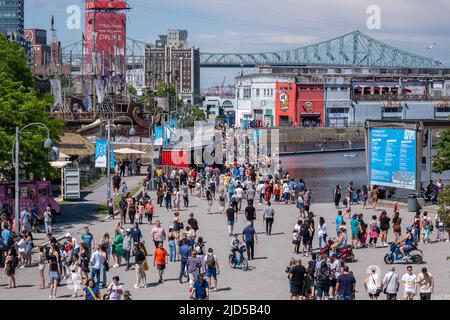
(352,49)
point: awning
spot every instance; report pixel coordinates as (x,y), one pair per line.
(310,114)
(128,151)
(59,164)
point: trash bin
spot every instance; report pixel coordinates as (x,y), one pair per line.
(413,205)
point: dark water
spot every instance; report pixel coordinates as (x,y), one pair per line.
(322,172)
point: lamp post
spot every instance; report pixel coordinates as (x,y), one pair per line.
(47,144)
(132,132)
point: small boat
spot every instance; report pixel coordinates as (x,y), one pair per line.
(350,155)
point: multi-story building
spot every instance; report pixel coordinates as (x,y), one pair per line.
(256,97)
(340,97)
(12,22)
(174,38)
(174,66)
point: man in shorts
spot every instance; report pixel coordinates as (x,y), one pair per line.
(297,278)
(212,268)
(409,284)
(160,260)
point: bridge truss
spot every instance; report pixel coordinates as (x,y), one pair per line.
(352,49)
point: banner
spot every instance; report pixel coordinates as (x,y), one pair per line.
(393,157)
(56,92)
(110,39)
(101,150)
(99,90)
(158,135)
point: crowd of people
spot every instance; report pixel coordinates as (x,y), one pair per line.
(87,262)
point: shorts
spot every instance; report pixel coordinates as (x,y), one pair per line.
(306,207)
(54,275)
(160,266)
(230,222)
(211,272)
(41,266)
(408,294)
(333,283)
(374,295)
(296,289)
(406,247)
(305,240)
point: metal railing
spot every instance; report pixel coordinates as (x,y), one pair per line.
(397,97)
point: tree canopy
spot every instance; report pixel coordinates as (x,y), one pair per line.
(441,161)
(20,105)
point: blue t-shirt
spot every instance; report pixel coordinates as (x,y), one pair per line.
(185,252)
(200,290)
(5,235)
(230,187)
(88,293)
(87,239)
(300,187)
(136,234)
(339,221)
(249,233)
(346,282)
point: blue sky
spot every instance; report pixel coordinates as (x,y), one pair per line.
(267,25)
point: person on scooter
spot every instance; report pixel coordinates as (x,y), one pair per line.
(341,239)
(237,246)
(408,241)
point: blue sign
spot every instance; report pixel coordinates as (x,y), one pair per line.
(101,150)
(158,135)
(393,156)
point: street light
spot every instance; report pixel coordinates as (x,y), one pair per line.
(47,144)
(131,132)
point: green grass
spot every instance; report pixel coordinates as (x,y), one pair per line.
(103,207)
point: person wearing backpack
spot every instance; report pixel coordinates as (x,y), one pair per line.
(212,268)
(323,274)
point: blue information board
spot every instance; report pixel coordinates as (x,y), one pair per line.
(393,157)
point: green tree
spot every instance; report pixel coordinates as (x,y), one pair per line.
(441,162)
(444,207)
(132,90)
(13,61)
(20,105)
(191,115)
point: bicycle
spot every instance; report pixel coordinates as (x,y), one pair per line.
(238,263)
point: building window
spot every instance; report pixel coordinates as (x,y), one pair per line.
(257,92)
(393,110)
(271,92)
(443,109)
(303,88)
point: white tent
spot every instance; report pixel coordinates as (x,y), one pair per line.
(128,151)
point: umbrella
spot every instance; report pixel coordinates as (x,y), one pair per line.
(128,151)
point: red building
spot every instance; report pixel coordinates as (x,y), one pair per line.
(311,105)
(285,104)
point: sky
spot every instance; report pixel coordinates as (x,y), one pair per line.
(265,25)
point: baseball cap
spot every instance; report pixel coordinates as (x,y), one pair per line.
(68,235)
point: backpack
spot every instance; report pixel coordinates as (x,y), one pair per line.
(210,261)
(304,229)
(324,272)
(311,267)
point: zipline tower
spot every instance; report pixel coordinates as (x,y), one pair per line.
(105,40)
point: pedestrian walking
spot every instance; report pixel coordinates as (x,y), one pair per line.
(250,238)
(391,284)
(48,218)
(212,269)
(139,258)
(322,232)
(346,285)
(115,289)
(91,291)
(373,285)
(231,218)
(296,276)
(97,261)
(425,282)
(268,217)
(158,234)
(409,284)
(160,260)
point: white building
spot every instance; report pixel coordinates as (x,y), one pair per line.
(255,98)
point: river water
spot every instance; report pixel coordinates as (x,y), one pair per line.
(323,171)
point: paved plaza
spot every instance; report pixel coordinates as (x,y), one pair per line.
(266,278)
